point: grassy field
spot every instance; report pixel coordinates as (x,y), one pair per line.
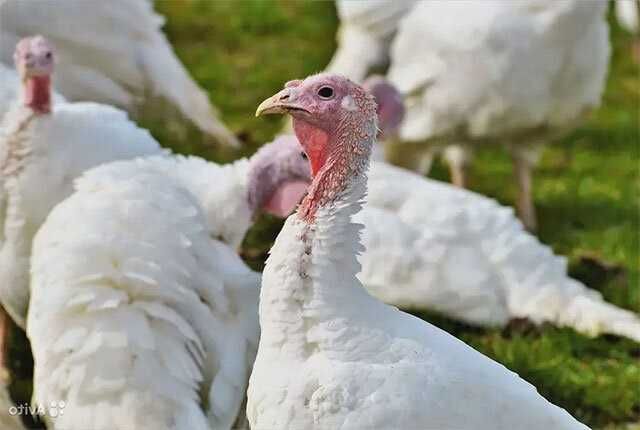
(587,187)
(586,190)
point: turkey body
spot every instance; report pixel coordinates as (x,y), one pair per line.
(332,356)
(537,65)
(140,317)
(430,245)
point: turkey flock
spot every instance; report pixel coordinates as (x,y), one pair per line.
(121,260)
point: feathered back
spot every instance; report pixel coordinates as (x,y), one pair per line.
(157,322)
(220,189)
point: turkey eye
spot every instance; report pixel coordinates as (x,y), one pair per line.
(47,55)
(304,155)
(325,92)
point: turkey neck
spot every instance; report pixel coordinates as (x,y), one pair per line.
(310,277)
(37,93)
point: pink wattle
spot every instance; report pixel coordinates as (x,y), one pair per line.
(314,142)
(286,197)
(37,93)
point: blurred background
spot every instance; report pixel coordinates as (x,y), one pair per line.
(587,188)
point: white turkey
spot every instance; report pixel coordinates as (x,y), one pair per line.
(42,149)
(518,73)
(141,316)
(332,356)
(111,52)
(419,233)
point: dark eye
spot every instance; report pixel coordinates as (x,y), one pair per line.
(304,155)
(47,55)
(325,92)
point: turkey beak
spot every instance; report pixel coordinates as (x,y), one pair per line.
(282,102)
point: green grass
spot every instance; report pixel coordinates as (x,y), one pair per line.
(586,188)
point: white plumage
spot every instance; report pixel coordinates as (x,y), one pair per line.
(149,278)
(139,318)
(366,31)
(221,189)
(512,72)
(627,14)
(112,52)
(430,245)
(40,156)
(9,84)
(535,63)
(331,356)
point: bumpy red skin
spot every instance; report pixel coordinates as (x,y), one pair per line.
(37,94)
(336,134)
(34,59)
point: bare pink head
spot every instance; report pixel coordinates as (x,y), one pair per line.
(279,176)
(34,61)
(390,106)
(335,122)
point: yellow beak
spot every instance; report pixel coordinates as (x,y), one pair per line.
(279,103)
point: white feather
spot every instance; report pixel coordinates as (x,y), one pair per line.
(145,283)
(366,30)
(331,356)
(112,52)
(537,66)
(434,246)
(627,14)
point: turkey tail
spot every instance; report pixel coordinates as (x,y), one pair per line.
(592,315)
(542,291)
(171,80)
(571,304)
